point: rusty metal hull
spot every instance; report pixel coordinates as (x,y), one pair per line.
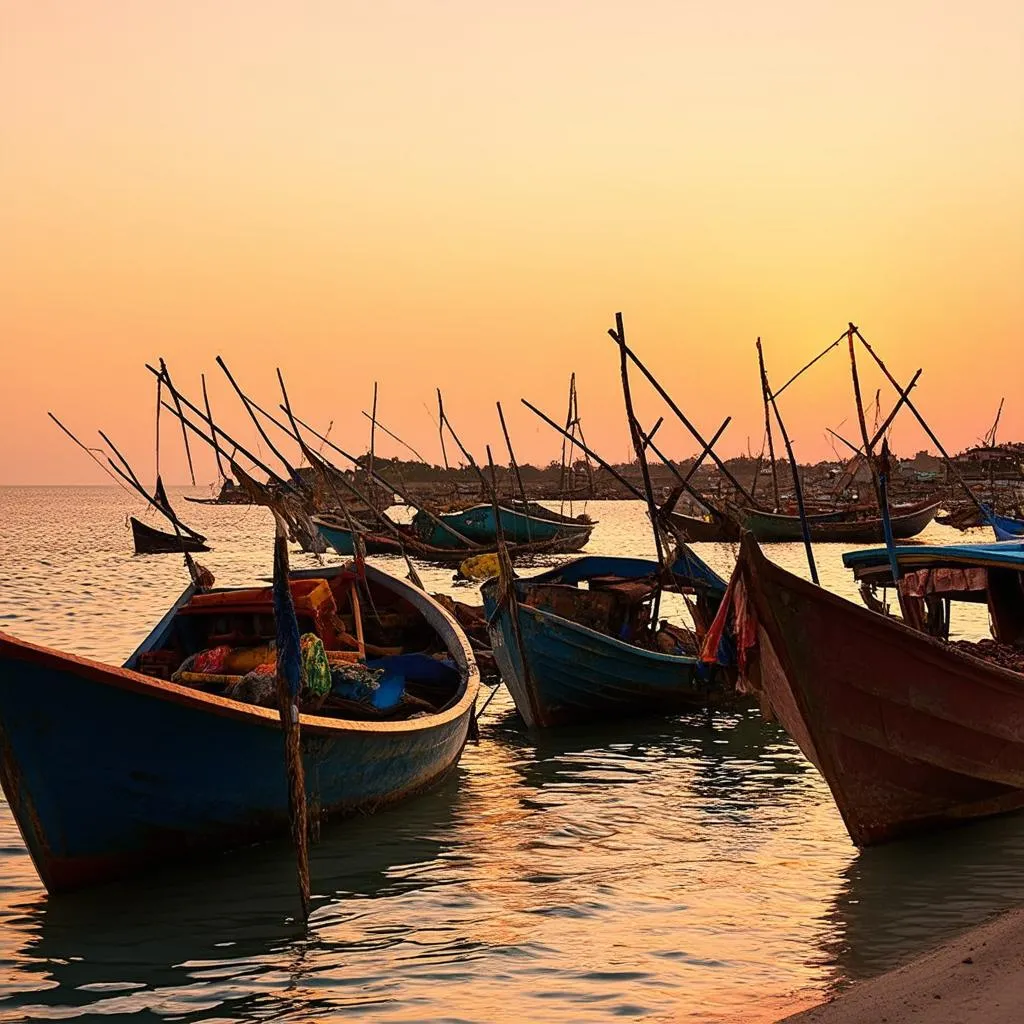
(108,771)
(908,733)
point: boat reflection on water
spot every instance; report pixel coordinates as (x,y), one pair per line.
(223,932)
(730,762)
(904,898)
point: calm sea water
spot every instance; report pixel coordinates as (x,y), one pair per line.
(664,869)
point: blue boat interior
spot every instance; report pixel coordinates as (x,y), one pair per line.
(615,596)
(931,577)
(368,653)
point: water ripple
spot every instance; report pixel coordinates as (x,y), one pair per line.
(667,868)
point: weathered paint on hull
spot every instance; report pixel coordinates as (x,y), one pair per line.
(577,675)
(104,779)
(340,541)
(908,733)
(478,524)
(716,530)
(1006,528)
(830,528)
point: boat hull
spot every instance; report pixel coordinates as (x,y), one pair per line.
(575,674)
(705,530)
(478,524)
(1006,528)
(149,541)
(908,733)
(769,527)
(340,540)
(108,771)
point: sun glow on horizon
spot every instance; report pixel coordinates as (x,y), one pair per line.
(461,196)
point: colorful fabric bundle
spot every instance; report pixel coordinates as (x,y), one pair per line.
(316,670)
(211,661)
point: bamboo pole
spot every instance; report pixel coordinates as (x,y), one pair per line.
(167,512)
(289,684)
(404,444)
(336,477)
(699,461)
(515,470)
(508,597)
(768,425)
(924,425)
(266,437)
(180,399)
(88,451)
(373,433)
(685,480)
(184,436)
(649,436)
(691,428)
(440,428)
(804,369)
(159,398)
(387,483)
(606,466)
(797,489)
(209,419)
(869,454)
(879,433)
(619,335)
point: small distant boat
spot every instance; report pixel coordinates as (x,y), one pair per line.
(908,731)
(579,658)
(149,541)
(842,526)
(520,524)
(230,494)
(111,770)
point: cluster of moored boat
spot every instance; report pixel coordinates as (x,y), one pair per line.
(179,751)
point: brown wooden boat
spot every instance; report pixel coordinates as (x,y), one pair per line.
(842,526)
(149,541)
(909,732)
(714,529)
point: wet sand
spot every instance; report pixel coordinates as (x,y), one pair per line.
(975,977)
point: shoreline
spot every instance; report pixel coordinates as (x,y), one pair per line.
(975,976)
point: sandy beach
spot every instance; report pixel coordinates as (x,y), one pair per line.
(975,978)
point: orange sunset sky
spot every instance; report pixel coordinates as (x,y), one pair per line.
(461,194)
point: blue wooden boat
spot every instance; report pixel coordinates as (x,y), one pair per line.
(1005,527)
(520,524)
(579,659)
(108,770)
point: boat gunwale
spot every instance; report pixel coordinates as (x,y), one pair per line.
(543,615)
(567,521)
(758,565)
(128,679)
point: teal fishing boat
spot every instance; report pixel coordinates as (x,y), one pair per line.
(520,524)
